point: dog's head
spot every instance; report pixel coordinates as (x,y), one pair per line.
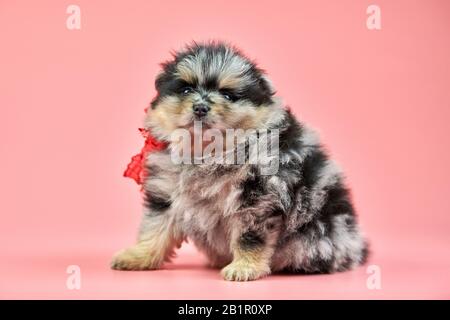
(213,83)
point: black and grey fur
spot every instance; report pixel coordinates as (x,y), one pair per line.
(300,219)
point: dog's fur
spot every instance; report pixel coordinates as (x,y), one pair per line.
(299,219)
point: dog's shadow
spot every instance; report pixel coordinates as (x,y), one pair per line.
(204,267)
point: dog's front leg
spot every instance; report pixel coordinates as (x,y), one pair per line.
(252,245)
(158,237)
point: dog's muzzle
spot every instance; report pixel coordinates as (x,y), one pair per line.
(200,110)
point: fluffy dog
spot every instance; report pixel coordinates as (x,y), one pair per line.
(298,219)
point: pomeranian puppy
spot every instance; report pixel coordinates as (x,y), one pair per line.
(248,221)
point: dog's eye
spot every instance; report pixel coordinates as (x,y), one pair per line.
(229,96)
(186,90)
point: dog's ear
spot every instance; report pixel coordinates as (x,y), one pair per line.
(161,79)
(267,85)
(166,75)
(161,82)
(262,92)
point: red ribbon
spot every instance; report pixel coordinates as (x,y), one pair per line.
(136,168)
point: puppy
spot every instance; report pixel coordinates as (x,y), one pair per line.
(249,223)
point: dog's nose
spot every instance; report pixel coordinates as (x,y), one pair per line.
(200,110)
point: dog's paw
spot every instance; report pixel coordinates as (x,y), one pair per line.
(243,271)
(134,259)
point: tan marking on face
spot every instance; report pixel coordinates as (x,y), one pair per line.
(257,119)
(167,114)
(233,73)
(229,81)
(218,109)
(245,116)
(186,73)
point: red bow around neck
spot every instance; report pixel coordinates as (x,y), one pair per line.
(136,168)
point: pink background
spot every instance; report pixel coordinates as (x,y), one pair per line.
(71,102)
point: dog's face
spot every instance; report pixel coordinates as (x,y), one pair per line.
(212,83)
